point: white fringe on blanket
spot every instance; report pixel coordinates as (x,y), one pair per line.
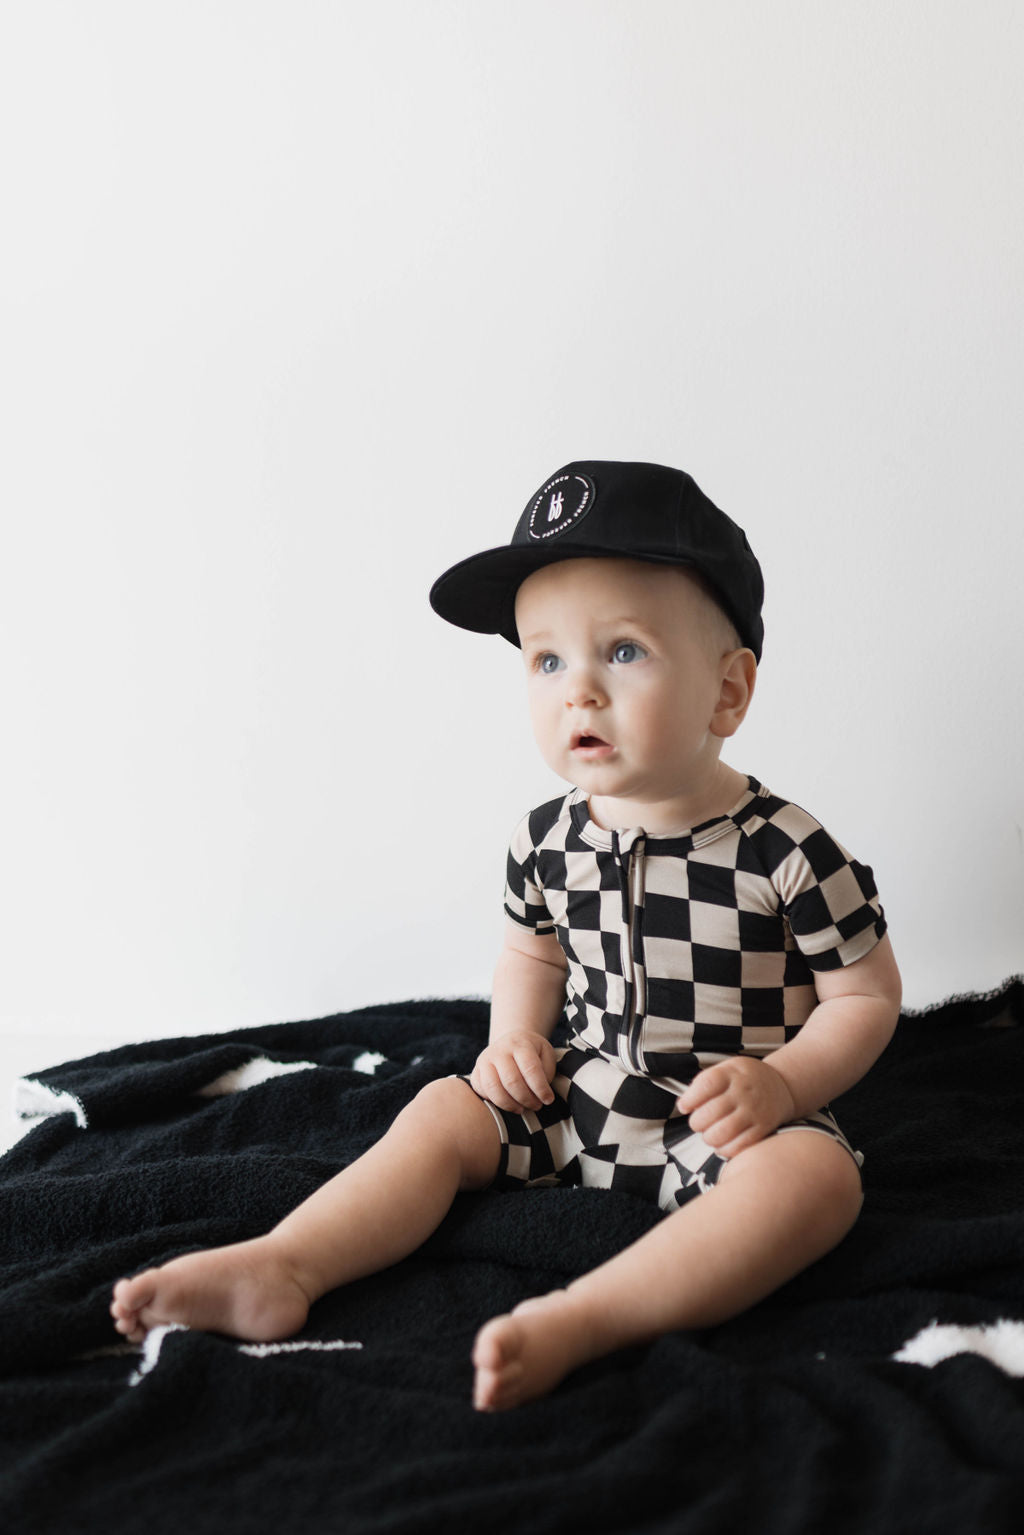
(156,1337)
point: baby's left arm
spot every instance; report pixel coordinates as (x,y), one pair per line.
(738,1102)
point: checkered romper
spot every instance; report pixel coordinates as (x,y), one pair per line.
(681,951)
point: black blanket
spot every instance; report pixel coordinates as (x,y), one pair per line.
(794,1417)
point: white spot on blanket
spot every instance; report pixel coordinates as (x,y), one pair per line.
(263,1069)
(34,1100)
(260,1069)
(1001,1343)
(151,1346)
(315,1345)
(368,1062)
(154,1342)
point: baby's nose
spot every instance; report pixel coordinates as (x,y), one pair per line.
(583,690)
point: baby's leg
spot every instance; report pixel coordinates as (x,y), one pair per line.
(369,1216)
(777,1207)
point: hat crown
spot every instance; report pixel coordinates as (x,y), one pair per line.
(608,508)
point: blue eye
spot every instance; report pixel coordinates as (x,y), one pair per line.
(549,663)
(628,650)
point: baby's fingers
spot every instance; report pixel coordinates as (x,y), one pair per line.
(707,1084)
(534,1078)
(505,1086)
(711,1114)
(521,1094)
(487,1083)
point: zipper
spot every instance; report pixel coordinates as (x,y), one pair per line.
(634,974)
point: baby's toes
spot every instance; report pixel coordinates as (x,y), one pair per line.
(129,1298)
(127,1324)
(499,1368)
(133,1295)
(494,1390)
(491,1350)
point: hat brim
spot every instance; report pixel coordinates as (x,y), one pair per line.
(479,593)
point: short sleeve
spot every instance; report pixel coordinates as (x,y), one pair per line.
(524,899)
(829,899)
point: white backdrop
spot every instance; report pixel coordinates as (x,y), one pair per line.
(301,301)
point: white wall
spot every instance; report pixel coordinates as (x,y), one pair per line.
(301,301)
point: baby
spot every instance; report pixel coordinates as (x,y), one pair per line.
(720,961)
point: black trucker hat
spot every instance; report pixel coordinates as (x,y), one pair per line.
(606,509)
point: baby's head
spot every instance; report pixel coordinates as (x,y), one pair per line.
(637,605)
(609,510)
(634,676)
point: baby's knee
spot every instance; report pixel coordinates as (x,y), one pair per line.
(438,1101)
(849,1187)
(808,1161)
(447,1113)
(837,1189)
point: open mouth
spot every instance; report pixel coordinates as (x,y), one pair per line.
(586,741)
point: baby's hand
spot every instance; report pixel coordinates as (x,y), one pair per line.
(736,1103)
(515,1071)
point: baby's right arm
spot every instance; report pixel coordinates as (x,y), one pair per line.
(528,998)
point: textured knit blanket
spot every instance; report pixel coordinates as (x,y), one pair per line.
(880,1391)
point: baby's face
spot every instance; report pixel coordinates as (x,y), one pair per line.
(624,676)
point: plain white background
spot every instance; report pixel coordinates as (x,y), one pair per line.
(301,302)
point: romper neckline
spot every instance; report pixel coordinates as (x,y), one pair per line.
(670,843)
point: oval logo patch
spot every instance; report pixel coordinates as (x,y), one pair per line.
(559,505)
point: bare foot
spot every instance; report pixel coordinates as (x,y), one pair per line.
(526,1353)
(247,1290)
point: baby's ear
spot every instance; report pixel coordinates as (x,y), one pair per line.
(739,675)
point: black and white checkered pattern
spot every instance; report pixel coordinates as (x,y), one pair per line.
(610,1129)
(685,950)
